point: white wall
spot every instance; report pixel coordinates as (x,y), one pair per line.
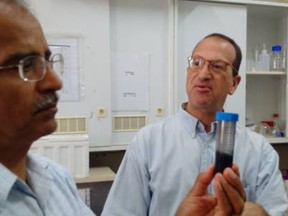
(90,21)
(104,27)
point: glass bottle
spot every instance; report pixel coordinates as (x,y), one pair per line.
(276,132)
(276,58)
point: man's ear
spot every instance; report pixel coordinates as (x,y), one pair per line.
(236,81)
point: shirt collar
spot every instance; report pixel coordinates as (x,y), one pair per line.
(8,180)
(38,178)
(192,124)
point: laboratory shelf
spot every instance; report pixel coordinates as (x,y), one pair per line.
(269,73)
(278,140)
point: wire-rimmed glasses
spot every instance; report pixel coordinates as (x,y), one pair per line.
(33,68)
(217,66)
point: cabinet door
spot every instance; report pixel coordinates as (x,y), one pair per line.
(197,19)
(139,41)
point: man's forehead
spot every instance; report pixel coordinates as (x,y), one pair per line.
(216,44)
(212,41)
(22,35)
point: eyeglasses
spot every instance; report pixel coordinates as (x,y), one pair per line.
(33,68)
(217,66)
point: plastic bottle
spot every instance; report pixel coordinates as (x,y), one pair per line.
(276,58)
(264,59)
(276,132)
(225,136)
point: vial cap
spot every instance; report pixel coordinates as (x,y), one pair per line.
(276,48)
(225,116)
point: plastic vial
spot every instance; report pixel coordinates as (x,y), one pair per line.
(264,59)
(225,136)
(276,132)
(276,58)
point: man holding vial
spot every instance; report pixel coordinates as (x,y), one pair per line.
(167,158)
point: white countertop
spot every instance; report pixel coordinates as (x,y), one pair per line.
(97,174)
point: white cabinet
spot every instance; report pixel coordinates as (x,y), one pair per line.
(139,31)
(266,92)
(250,24)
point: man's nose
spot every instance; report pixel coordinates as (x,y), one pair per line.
(205,72)
(51,80)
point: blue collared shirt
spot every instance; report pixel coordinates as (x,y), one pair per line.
(164,159)
(51,191)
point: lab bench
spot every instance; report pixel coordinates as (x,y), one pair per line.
(95,187)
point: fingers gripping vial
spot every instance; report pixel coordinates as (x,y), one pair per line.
(225,136)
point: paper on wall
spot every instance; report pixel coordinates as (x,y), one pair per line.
(130,81)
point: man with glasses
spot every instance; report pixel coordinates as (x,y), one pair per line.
(30,184)
(166,158)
